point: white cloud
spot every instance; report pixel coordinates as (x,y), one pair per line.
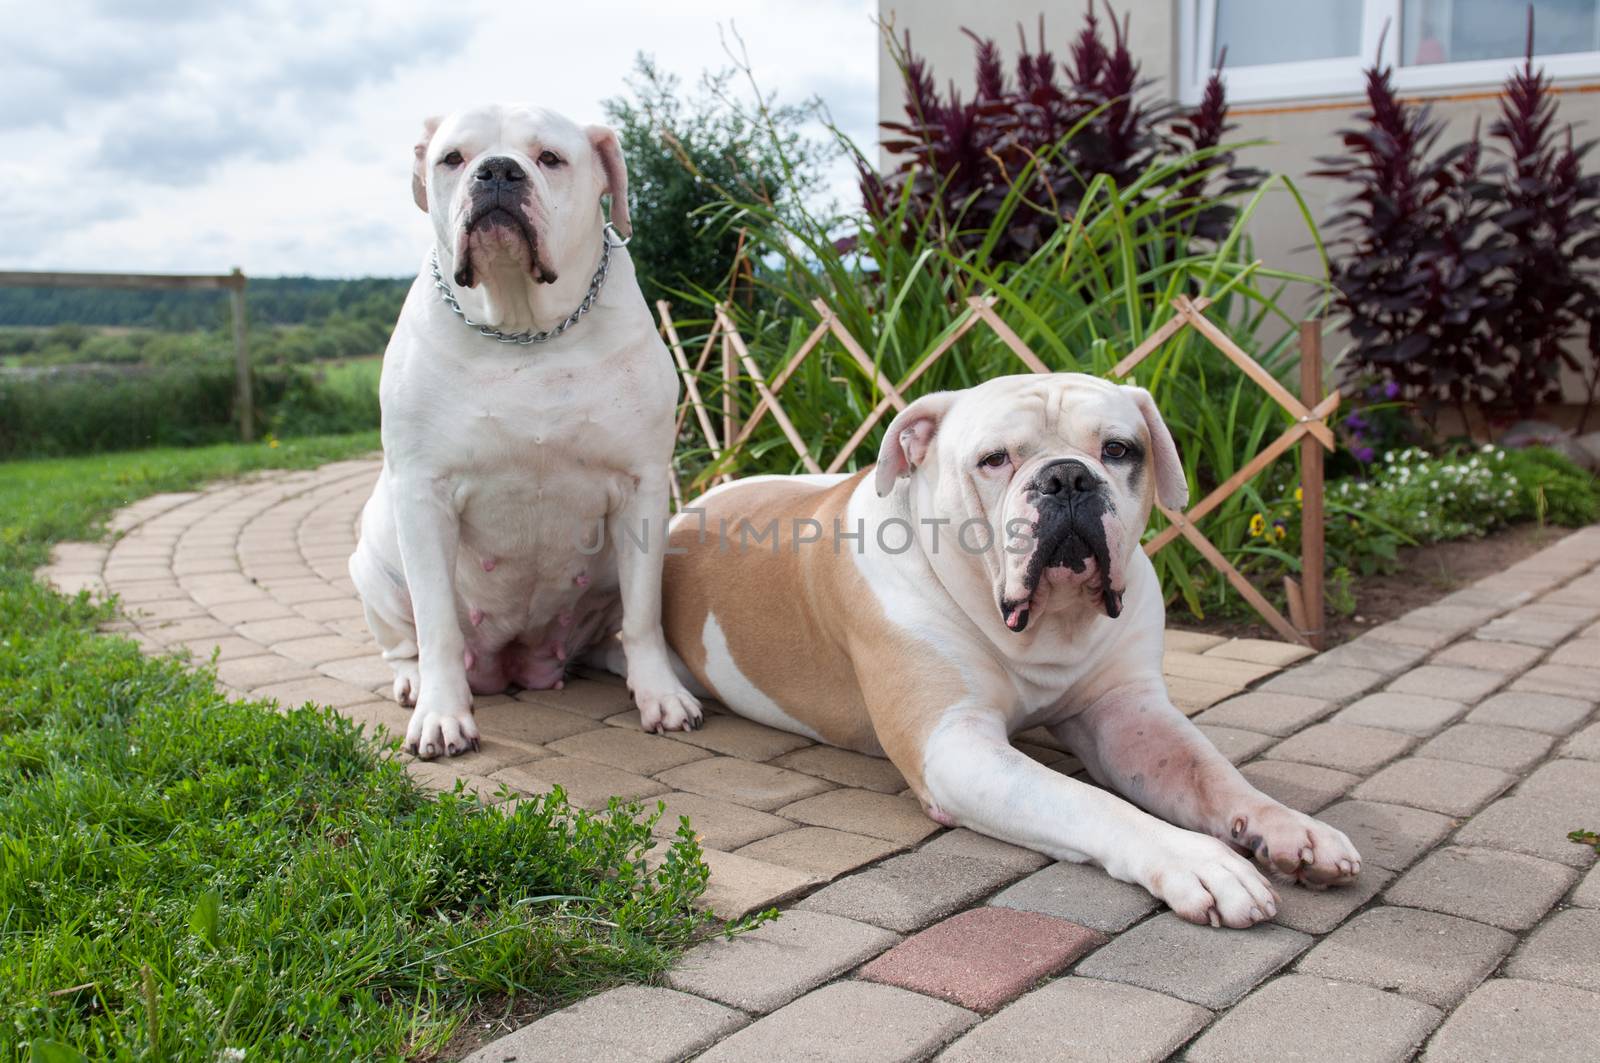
(276,135)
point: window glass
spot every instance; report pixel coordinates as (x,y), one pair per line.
(1454,31)
(1256,32)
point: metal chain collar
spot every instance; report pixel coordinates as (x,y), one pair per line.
(525,338)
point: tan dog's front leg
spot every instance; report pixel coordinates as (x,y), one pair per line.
(1135,740)
(973,777)
(639,531)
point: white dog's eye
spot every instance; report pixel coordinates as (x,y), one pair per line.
(452,159)
(1114,449)
(994,461)
(549,158)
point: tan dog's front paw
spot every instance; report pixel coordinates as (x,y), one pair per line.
(1294,845)
(1206,882)
(671,710)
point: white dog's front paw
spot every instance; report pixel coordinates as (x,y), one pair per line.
(668,710)
(1205,881)
(407,682)
(440,731)
(1296,846)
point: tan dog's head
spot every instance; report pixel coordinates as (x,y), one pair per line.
(518,187)
(1062,468)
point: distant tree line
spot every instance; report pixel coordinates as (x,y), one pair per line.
(270,301)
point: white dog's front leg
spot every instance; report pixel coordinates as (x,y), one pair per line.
(664,704)
(975,778)
(429,534)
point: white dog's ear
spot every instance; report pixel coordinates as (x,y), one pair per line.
(609,152)
(906,443)
(1172,487)
(419,176)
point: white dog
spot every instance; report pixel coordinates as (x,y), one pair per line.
(988,578)
(527,429)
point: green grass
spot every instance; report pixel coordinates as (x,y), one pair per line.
(180,876)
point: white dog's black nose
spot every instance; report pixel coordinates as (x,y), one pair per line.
(1069,476)
(499,168)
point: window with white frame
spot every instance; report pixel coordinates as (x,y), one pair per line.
(1295,49)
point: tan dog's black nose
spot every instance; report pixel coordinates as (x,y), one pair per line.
(499,169)
(1066,477)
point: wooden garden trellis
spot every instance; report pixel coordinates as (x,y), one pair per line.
(1311,411)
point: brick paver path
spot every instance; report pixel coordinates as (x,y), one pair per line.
(1457,747)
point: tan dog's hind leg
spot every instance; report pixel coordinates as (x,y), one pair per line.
(1133,739)
(972,776)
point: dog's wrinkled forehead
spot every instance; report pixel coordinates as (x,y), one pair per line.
(508,129)
(1042,414)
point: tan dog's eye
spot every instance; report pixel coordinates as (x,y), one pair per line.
(549,158)
(1114,449)
(452,159)
(995,460)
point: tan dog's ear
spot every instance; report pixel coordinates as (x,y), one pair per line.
(1172,487)
(609,151)
(419,179)
(906,443)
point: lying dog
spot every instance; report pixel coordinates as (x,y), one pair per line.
(527,401)
(987,578)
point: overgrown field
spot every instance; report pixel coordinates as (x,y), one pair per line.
(182,878)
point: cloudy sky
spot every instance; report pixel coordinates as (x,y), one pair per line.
(275,135)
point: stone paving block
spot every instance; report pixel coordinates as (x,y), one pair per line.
(584,698)
(291,592)
(1075,1020)
(847,1022)
(741,782)
(321,649)
(1214,669)
(1080,893)
(1196,695)
(819,851)
(1320,911)
(1181,641)
(279,629)
(1390,836)
(1508,890)
(1570,785)
(1529,631)
(319,690)
(635,751)
(175,609)
(332,608)
(1402,634)
(264,609)
(1453,620)
(1273,714)
(1437,959)
(1587,895)
(1466,685)
(717,824)
(1585,744)
(908,892)
(733,736)
(137,594)
(1304,787)
(982,958)
(223,647)
(1437,785)
(1507,748)
(192,628)
(1504,658)
(1238,746)
(588,784)
(1260,651)
(370,671)
(1312,1019)
(1530,825)
(894,819)
(1532,710)
(1565,948)
(740,885)
(1372,653)
(441,776)
(529,723)
(974,846)
(1414,714)
(845,768)
(1562,680)
(1200,964)
(636,1024)
(1343,747)
(1585,653)
(1510,1019)
(768,967)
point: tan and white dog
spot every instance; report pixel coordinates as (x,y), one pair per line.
(480,563)
(985,579)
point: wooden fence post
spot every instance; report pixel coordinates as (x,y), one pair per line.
(244,393)
(1312,544)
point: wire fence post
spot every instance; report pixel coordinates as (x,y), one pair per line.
(244,391)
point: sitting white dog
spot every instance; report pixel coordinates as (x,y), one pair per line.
(527,402)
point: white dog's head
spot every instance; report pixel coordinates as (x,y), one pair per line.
(517,186)
(1064,469)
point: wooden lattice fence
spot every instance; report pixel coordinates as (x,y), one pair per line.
(1311,410)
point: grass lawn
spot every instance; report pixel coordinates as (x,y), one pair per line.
(187,879)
